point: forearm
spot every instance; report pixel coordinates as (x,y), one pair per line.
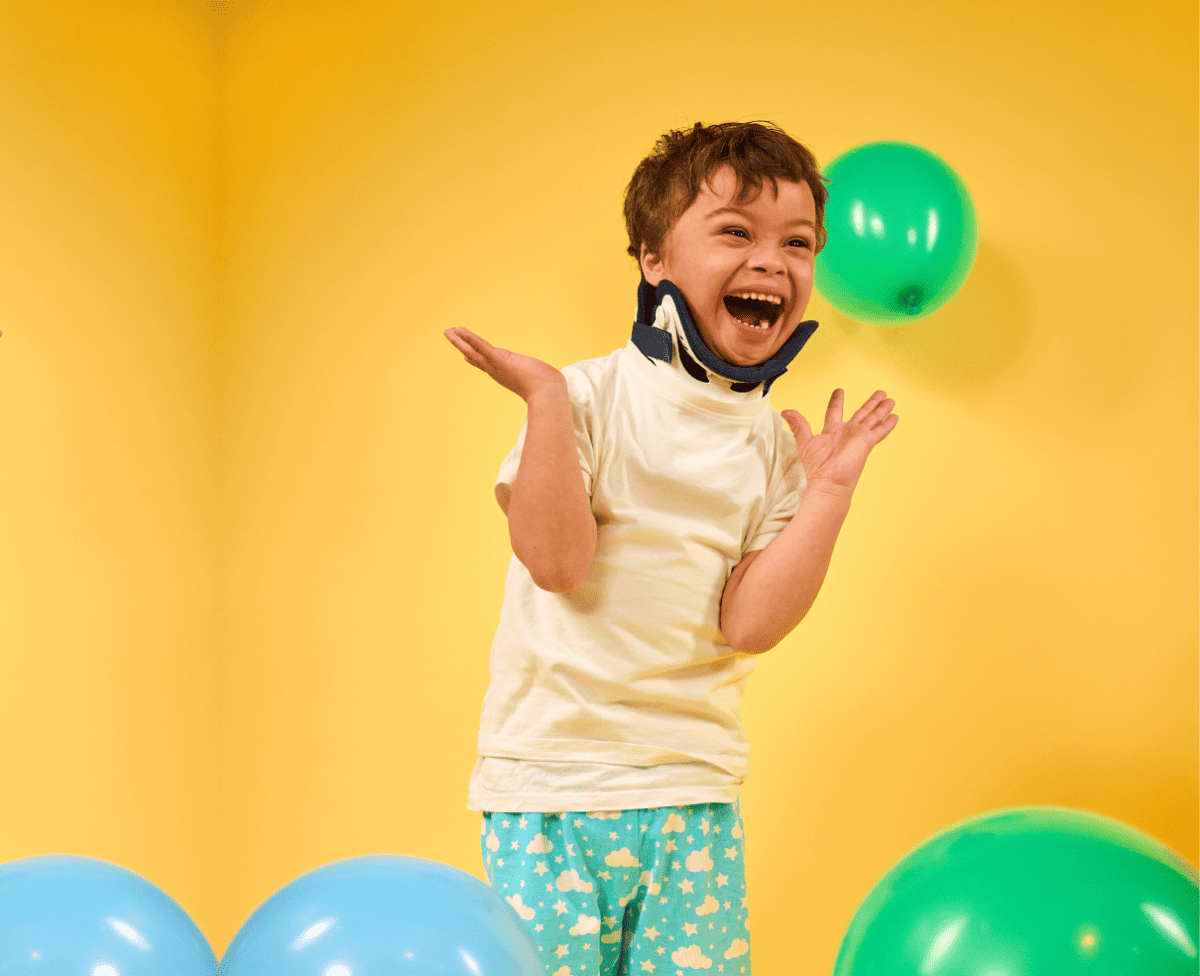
(781,584)
(550,521)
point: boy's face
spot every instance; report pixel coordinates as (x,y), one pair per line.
(719,252)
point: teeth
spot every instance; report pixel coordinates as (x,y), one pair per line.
(759,296)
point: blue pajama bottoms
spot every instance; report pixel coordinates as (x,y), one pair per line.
(656,891)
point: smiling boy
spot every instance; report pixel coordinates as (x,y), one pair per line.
(668,525)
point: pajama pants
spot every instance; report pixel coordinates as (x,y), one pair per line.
(659,891)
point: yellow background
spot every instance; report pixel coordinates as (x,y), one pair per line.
(250,562)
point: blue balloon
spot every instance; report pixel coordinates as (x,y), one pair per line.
(383,915)
(66,915)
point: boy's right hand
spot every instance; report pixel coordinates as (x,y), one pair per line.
(524,375)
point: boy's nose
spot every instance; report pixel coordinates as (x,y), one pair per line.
(768,260)
(769,264)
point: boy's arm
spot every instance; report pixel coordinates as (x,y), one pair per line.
(771,590)
(550,520)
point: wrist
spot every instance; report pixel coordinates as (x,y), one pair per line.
(832,489)
(549,391)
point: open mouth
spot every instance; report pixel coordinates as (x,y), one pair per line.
(754,309)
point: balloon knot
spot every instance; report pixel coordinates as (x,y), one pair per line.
(911,300)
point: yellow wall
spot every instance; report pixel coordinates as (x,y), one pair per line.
(250,564)
(108,439)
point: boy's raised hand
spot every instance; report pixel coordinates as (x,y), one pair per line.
(524,375)
(837,455)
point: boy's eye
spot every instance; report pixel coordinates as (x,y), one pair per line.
(736,230)
(801,241)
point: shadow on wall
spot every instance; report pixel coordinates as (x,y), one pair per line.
(983,333)
(967,345)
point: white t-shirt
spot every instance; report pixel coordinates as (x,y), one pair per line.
(623,694)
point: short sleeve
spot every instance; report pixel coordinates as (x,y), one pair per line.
(581,413)
(784,492)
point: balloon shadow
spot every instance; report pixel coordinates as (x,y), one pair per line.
(966,346)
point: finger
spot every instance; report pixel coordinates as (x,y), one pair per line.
(879,433)
(881,412)
(477,350)
(868,408)
(478,343)
(468,351)
(833,413)
(800,429)
(458,341)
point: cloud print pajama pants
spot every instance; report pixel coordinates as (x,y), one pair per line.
(617,893)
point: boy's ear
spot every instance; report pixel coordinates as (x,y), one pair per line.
(652,267)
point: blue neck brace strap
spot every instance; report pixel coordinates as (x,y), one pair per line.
(658,344)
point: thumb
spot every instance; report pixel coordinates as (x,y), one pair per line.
(795,420)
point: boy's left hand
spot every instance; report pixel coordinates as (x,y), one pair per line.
(837,455)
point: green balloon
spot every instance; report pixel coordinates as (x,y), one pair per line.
(902,234)
(1036,891)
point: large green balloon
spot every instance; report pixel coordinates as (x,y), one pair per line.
(902,234)
(1036,891)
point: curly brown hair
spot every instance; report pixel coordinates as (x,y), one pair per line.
(667,181)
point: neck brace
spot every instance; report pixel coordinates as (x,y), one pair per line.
(658,343)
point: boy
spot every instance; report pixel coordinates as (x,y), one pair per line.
(667,526)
